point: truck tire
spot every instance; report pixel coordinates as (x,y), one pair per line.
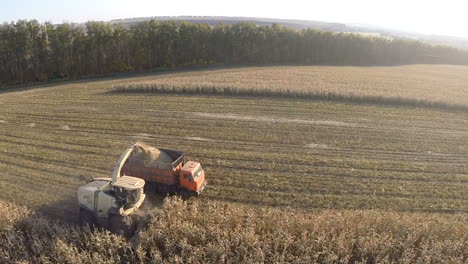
(86,218)
(185,194)
(122,225)
(150,187)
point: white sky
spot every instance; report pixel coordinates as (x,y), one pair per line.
(448,17)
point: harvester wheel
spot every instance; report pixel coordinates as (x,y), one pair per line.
(86,218)
(122,225)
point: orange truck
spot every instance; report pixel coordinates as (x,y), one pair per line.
(171,175)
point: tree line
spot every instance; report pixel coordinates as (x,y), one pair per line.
(32,52)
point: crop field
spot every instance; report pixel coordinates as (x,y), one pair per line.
(442,85)
(210,232)
(268,152)
(306,156)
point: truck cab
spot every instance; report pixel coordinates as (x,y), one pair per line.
(192,177)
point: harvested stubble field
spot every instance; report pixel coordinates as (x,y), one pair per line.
(272,154)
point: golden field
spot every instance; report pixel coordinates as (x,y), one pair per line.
(200,232)
(335,181)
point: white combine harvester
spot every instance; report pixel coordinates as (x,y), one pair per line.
(111,202)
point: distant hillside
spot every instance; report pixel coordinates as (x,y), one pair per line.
(456,42)
(294,24)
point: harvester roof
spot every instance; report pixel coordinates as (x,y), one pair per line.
(129,183)
(97,183)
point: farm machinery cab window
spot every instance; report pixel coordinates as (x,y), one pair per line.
(188,177)
(128,198)
(194,175)
(198,172)
(133,196)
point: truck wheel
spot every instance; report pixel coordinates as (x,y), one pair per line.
(86,218)
(150,188)
(185,194)
(122,225)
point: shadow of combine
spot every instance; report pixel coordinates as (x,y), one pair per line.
(65,211)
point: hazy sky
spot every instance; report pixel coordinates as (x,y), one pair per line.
(447,17)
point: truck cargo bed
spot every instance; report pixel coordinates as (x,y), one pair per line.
(154,171)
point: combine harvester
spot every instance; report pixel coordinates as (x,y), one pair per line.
(111,202)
